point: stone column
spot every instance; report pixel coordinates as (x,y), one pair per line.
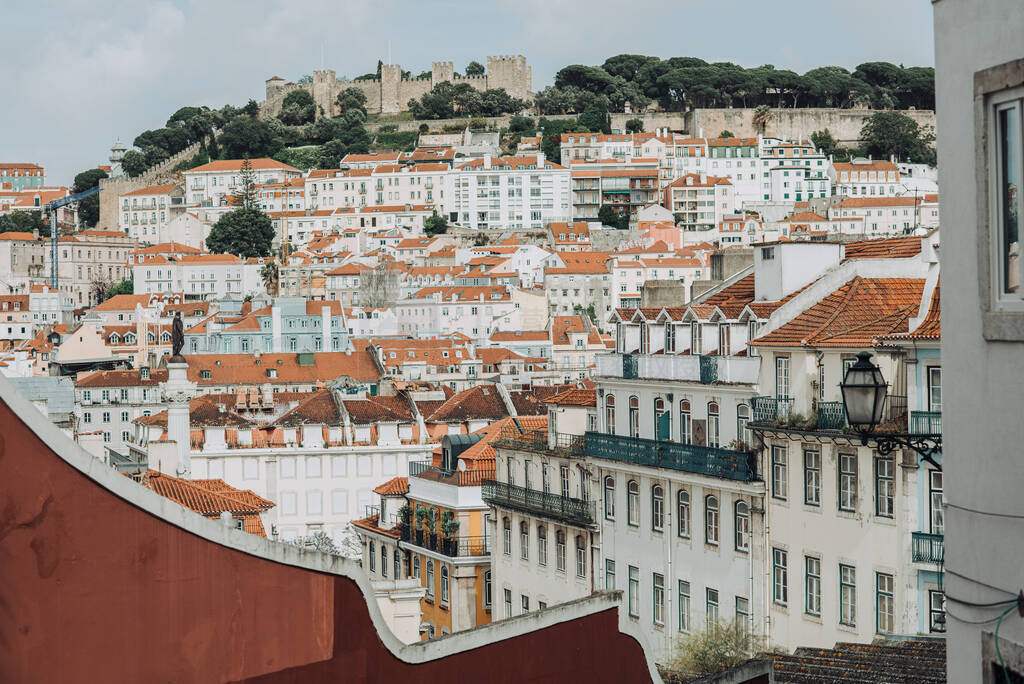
(178,392)
(464,597)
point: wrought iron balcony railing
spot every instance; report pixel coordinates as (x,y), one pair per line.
(540,441)
(771,409)
(691,458)
(831,415)
(459,478)
(454,547)
(927,548)
(555,506)
(926,422)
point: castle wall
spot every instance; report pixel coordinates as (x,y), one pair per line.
(844,124)
(161,174)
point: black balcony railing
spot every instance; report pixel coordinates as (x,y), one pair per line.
(531,501)
(927,548)
(455,547)
(540,441)
(771,409)
(926,422)
(894,417)
(691,458)
(459,478)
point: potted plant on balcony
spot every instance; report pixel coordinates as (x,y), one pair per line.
(449,528)
(404,519)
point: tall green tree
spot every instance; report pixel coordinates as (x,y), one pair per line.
(893,133)
(634,126)
(297,108)
(24,222)
(475,68)
(435,224)
(89,208)
(595,120)
(248,137)
(246,231)
(351,98)
(824,141)
(134,163)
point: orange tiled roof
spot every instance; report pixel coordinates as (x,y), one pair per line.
(928,329)
(575,396)
(396,486)
(261,164)
(858,314)
(885,248)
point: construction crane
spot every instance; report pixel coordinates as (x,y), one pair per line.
(52,208)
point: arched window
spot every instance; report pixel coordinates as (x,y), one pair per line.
(398,564)
(609,498)
(684,422)
(416,567)
(165,336)
(742,418)
(487,588)
(634,416)
(430,579)
(444,585)
(560,549)
(129,338)
(683,513)
(524,541)
(711,519)
(383,561)
(581,556)
(713,433)
(632,503)
(742,516)
(662,420)
(657,507)
(373,556)
(115,338)
(507,536)
(609,414)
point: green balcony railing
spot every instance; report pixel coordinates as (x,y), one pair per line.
(926,422)
(691,458)
(831,415)
(927,548)
(542,503)
(708,369)
(771,409)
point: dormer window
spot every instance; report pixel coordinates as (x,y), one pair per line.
(204,374)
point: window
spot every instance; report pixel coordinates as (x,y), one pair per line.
(288,467)
(935,389)
(885,485)
(781,377)
(508,603)
(312,466)
(444,586)
(525,602)
(507,536)
(848,595)
(662,420)
(742,418)
(742,526)
(884,613)
(1006,152)
(609,498)
(695,341)
(937,525)
(812,477)
(634,591)
(524,541)
(659,599)
(684,606)
(812,585)
(634,416)
(564,475)
(684,421)
(632,503)
(373,557)
(780,473)
(581,556)
(683,513)
(713,432)
(383,560)
(609,414)
(657,508)
(711,519)
(743,613)
(430,579)
(780,576)
(560,551)
(487,588)
(314,503)
(609,574)
(936,611)
(847,482)
(416,567)
(821,382)
(711,605)
(398,564)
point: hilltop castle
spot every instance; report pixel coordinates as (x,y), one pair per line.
(390,93)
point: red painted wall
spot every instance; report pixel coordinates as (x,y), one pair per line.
(95,589)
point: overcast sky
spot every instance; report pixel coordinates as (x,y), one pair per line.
(77,74)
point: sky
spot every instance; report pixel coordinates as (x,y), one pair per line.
(79,74)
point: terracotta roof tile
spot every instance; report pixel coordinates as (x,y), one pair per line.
(396,486)
(885,248)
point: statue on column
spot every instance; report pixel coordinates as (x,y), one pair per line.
(177,339)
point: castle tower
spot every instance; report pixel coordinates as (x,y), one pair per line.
(441,72)
(510,73)
(390,80)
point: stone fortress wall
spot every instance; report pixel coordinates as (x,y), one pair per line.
(161,174)
(391,93)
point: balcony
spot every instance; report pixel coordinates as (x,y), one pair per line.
(927,548)
(540,441)
(831,415)
(772,409)
(457,478)
(691,458)
(705,369)
(554,506)
(453,547)
(926,422)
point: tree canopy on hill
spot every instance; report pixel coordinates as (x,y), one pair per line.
(681,83)
(447,101)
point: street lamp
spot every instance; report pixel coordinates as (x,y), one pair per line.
(864,390)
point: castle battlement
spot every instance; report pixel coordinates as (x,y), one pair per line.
(391,93)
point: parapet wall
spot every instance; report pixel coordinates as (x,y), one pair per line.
(844,124)
(390,94)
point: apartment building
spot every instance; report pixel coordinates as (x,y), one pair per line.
(210,185)
(475,312)
(111,400)
(200,276)
(146,212)
(625,187)
(284,195)
(89,262)
(382,184)
(698,201)
(513,193)
(888,215)
(22,176)
(861,177)
(582,279)
(22,261)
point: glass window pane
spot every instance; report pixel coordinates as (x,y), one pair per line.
(1009,187)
